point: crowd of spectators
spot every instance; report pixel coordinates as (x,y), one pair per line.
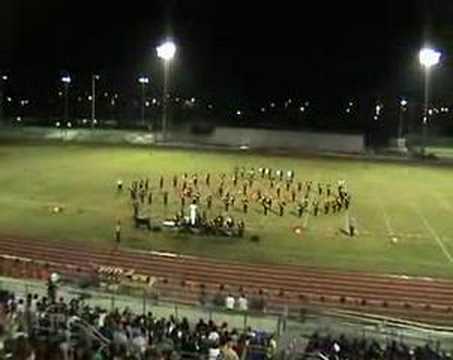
(44,328)
(36,328)
(345,348)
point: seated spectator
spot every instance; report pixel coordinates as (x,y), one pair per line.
(214,336)
(228,352)
(214,351)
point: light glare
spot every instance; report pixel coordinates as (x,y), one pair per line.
(428,57)
(166,51)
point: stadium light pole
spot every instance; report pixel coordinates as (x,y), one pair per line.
(2,97)
(66,81)
(143,80)
(428,58)
(166,52)
(403,109)
(94,78)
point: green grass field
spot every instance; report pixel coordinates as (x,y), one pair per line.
(413,202)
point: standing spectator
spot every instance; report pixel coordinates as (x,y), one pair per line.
(229,302)
(243,303)
(118,232)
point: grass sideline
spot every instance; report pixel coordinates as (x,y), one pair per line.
(411,202)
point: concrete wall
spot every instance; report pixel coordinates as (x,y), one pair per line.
(222,136)
(262,138)
(106,136)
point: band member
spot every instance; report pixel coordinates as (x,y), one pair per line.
(165,198)
(150,198)
(245,205)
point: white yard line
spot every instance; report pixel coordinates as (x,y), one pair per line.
(434,234)
(388,224)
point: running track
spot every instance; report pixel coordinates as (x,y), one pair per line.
(180,279)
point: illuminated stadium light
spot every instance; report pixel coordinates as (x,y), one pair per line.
(66,79)
(210,106)
(106,94)
(84,121)
(166,51)
(238,112)
(302,108)
(143,80)
(263,109)
(9,99)
(5,77)
(69,125)
(147,103)
(57,124)
(403,102)
(192,100)
(430,112)
(90,98)
(272,105)
(348,110)
(154,101)
(60,93)
(378,109)
(19,119)
(351,103)
(429,57)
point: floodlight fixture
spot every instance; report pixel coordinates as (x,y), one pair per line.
(143,80)
(166,51)
(429,57)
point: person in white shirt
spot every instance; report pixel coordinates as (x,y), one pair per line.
(214,336)
(193,213)
(214,352)
(243,303)
(20,308)
(229,302)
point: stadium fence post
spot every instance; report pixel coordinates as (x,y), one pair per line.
(144,302)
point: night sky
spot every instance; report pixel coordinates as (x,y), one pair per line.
(244,51)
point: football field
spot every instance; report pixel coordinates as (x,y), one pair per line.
(403,212)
